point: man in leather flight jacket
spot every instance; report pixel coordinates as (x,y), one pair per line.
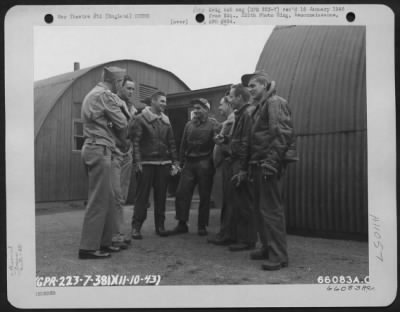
(272,147)
(154,153)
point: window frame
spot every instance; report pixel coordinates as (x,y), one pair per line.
(74,135)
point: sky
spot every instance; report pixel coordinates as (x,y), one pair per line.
(201,56)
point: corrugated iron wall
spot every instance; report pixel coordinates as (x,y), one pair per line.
(321,71)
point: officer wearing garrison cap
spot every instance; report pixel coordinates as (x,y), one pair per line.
(196,154)
(272,147)
(103,121)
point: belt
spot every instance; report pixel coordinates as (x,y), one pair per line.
(91,140)
(95,141)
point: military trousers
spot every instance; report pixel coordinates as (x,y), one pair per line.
(126,175)
(240,200)
(121,166)
(156,177)
(198,172)
(98,222)
(228,219)
(269,210)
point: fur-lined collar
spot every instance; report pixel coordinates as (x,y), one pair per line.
(150,116)
(269,93)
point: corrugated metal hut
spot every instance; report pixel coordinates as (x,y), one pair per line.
(321,71)
(59,174)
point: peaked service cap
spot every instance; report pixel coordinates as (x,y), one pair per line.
(203,102)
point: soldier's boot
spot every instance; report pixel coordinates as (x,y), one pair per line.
(135,234)
(181,228)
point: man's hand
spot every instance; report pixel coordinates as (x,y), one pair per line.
(219,139)
(175,169)
(138,167)
(268,170)
(239,178)
(177,165)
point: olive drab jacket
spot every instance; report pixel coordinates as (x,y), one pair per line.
(273,140)
(101,115)
(198,139)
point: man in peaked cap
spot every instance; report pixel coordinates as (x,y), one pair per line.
(103,121)
(272,139)
(196,158)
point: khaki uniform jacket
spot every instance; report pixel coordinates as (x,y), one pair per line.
(101,113)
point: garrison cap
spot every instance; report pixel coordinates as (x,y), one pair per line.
(258,73)
(113,73)
(203,102)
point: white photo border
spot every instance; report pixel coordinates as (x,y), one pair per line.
(19,24)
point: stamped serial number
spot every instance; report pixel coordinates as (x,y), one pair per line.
(342,279)
(97,280)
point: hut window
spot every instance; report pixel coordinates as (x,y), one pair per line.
(78,135)
(76,110)
(145,91)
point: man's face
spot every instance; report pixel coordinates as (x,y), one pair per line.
(159,104)
(117,85)
(126,92)
(235,101)
(256,88)
(199,112)
(224,107)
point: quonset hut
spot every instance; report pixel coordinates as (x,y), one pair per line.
(320,70)
(59,173)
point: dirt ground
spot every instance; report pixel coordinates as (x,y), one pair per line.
(188,259)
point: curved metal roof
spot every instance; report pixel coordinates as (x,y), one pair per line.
(321,71)
(49,90)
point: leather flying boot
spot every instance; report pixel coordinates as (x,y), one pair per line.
(261,254)
(161,231)
(135,234)
(181,228)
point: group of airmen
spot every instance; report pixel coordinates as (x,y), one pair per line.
(251,148)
